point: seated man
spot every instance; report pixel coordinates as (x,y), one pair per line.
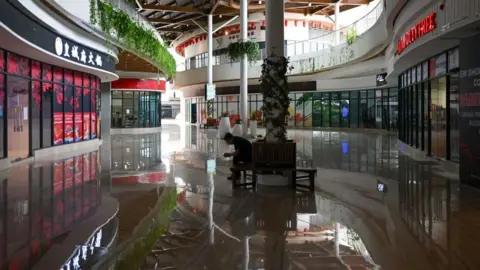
(242,153)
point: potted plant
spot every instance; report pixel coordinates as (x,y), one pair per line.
(237,129)
(253,124)
(224,126)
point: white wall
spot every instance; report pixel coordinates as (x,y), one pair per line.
(367,45)
(458,19)
(65,28)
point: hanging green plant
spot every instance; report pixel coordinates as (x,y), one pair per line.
(274,87)
(238,49)
(351,35)
(132,34)
(93,11)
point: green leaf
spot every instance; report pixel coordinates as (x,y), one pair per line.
(238,49)
(132,34)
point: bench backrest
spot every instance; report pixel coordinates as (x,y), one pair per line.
(274,154)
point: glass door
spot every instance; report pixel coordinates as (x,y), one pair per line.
(18,107)
(438,111)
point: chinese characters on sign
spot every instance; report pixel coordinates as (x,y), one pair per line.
(72,51)
(417,31)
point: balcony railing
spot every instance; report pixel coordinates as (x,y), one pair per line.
(326,49)
(132,12)
(347,34)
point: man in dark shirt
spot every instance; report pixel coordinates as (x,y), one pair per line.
(242,153)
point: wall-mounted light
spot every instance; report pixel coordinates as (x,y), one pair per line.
(259,2)
(309,4)
(220,16)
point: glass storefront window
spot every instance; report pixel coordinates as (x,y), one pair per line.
(368,109)
(139,109)
(438,107)
(454,118)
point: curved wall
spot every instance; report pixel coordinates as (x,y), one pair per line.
(65,28)
(30,30)
(454,20)
(366,46)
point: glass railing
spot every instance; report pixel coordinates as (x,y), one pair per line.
(345,35)
(323,44)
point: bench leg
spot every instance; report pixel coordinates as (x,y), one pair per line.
(294,180)
(254,179)
(234,182)
(312,182)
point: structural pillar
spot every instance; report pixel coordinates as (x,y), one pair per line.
(105,127)
(210,48)
(244,67)
(210,208)
(275,35)
(337,23)
(337,239)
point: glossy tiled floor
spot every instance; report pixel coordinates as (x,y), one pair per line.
(72,213)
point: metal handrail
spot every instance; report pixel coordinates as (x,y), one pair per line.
(317,44)
(330,37)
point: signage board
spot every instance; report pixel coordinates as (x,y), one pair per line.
(469,119)
(381,79)
(26,25)
(210,91)
(422,28)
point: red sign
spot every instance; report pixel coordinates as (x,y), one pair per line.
(422,28)
(139,84)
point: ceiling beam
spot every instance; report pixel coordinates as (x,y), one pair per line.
(165,21)
(355,2)
(200,26)
(328,2)
(183,20)
(190,10)
(251,7)
(176,29)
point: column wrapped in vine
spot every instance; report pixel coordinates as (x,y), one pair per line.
(274,87)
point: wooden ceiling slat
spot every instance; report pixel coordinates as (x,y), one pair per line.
(190,10)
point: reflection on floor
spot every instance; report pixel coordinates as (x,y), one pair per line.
(374,208)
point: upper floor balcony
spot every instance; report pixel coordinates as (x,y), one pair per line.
(121,25)
(359,40)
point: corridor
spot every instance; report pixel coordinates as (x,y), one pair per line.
(373,208)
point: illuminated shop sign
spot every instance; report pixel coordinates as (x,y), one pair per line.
(427,25)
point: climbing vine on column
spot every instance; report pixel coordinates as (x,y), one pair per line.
(274,87)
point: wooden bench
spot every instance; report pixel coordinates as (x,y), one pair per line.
(243,169)
(211,122)
(274,157)
(297,174)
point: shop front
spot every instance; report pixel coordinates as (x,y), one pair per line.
(429,106)
(137,103)
(373,109)
(49,85)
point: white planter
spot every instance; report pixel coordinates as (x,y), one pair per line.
(237,130)
(223,127)
(272,180)
(253,128)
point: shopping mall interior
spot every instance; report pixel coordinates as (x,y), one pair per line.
(355,129)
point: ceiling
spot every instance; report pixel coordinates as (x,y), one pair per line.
(172,18)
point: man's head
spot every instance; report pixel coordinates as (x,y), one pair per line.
(228,138)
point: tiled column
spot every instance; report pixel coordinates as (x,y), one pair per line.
(275,34)
(244,67)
